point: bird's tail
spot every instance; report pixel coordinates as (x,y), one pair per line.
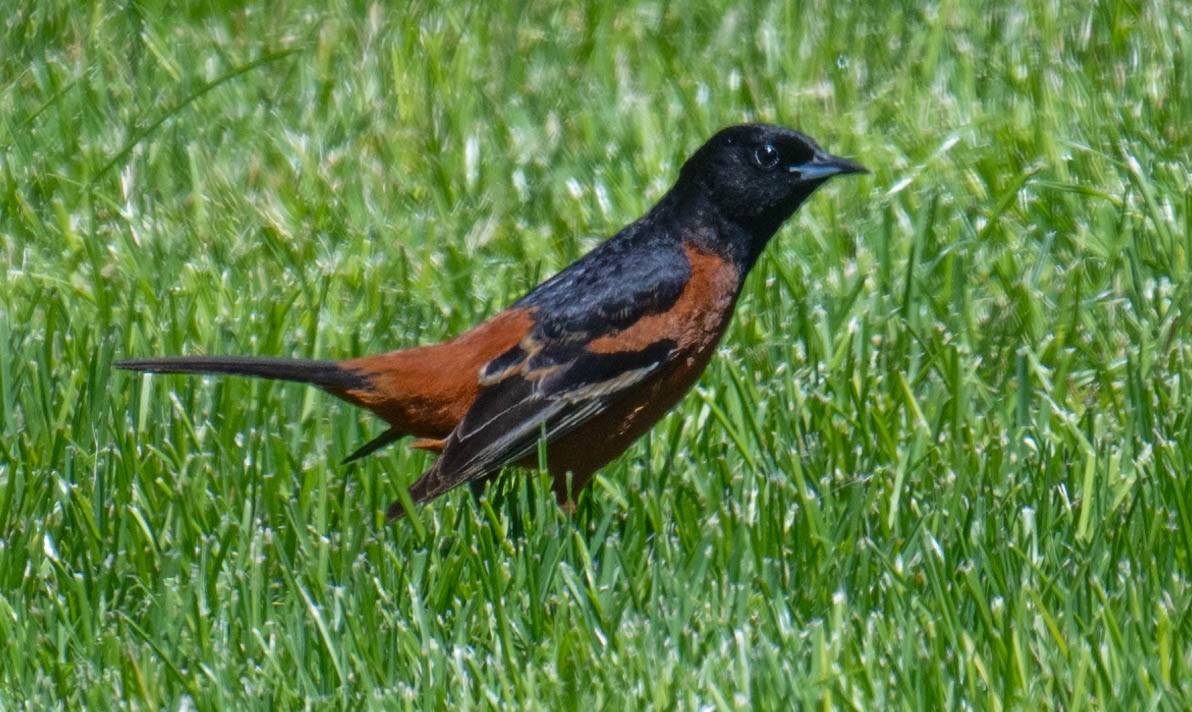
(325,374)
(423,391)
(346,383)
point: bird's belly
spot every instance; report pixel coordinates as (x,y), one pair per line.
(575,457)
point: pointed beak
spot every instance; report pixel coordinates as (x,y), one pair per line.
(824,166)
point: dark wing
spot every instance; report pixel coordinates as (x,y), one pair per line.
(639,271)
(551,383)
(508,417)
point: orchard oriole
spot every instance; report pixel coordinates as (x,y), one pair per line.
(591,358)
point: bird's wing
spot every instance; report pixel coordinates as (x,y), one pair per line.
(510,415)
(553,382)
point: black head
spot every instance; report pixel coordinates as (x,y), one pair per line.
(757,175)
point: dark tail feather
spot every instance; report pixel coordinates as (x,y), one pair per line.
(326,374)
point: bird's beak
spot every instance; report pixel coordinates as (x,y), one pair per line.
(825,165)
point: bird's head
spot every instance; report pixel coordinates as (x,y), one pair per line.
(757,175)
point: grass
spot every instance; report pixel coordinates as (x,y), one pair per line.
(940,462)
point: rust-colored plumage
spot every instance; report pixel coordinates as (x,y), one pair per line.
(594,356)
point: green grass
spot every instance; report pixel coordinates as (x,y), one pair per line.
(940,462)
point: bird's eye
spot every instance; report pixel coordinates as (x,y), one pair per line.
(767,156)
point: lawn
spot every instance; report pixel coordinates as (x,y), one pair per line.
(940,461)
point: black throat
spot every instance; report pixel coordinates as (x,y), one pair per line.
(703,224)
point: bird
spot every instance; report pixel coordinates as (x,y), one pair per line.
(593,356)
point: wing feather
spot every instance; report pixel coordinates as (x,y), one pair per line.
(551,383)
(508,418)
